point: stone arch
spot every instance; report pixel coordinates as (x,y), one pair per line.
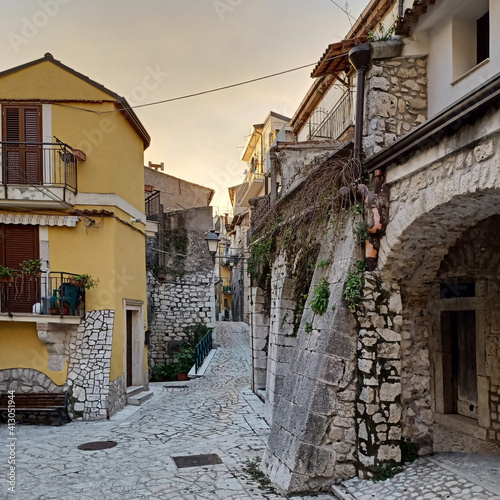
(27,380)
(430,210)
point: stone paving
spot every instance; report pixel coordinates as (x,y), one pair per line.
(463,468)
(214,414)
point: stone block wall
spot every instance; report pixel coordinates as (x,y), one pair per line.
(396,100)
(281,333)
(259,331)
(177,305)
(27,380)
(313,435)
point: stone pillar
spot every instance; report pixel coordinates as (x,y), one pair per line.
(259,331)
(396,100)
(379,373)
(281,334)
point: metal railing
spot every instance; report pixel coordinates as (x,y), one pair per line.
(332,125)
(49,294)
(42,164)
(260,213)
(201,350)
(153,206)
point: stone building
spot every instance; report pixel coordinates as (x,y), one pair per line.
(374,299)
(180,270)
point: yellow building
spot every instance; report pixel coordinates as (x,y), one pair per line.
(71,195)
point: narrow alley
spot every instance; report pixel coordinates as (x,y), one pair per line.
(215,414)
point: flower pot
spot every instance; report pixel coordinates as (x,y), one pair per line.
(182,376)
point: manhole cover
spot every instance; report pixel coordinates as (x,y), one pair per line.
(176,387)
(197,460)
(97,445)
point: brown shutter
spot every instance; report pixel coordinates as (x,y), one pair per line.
(22,124)
(21,243)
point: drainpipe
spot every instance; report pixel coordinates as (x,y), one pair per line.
(401,9)
(359,57)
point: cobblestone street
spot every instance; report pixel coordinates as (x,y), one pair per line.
(214,414)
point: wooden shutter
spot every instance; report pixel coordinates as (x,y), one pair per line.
(22,124)
(20,243)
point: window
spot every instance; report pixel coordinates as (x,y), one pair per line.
(471,36)
(19,243)
(22,135)
(483,38)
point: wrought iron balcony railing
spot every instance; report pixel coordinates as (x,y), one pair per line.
(331,125)
(153,206)
(38,164)
(51,293)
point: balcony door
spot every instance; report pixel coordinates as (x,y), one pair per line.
(19,243)
(22,150)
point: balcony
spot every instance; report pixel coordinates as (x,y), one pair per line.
(251,186)
(40,298)
(37,175)
(332,125)
(153,206)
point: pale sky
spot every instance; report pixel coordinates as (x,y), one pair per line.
(185,46)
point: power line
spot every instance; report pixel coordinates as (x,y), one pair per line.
(203,92)
(349,16)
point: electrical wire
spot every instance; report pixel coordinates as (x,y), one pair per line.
(209,91)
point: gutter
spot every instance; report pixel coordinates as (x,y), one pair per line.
(449,120)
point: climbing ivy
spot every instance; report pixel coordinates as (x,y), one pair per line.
(354,285)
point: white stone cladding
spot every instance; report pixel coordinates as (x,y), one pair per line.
(26,380)
(89,366)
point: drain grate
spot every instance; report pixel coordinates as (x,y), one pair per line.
(197,460)
(176,387)
(97,445)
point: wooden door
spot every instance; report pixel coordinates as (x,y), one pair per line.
(459,362)
(130,337)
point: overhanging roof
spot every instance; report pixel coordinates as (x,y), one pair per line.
(336,57)
(120,101)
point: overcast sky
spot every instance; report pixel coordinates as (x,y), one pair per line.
(186,46)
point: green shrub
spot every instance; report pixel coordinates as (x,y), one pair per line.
(164,371)
(319,304)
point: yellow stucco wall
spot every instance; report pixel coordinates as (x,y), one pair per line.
(110,251)
(20,347)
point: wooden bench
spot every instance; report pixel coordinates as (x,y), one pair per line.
(36,402)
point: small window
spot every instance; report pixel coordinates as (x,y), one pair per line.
(483,38)
(457,288)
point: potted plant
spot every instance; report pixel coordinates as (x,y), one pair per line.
(84,281)
(31,267)
(6,274)
(384,43)
(185,359)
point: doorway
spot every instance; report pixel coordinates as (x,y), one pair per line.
(133,359)
(458,331)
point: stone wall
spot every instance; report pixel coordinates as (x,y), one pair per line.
(378,407)
(282,336)
(117,395)
(89,366)
(396,100)
(313,435)
(27,380)
(259,331)
(177,305)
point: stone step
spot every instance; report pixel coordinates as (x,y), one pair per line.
(134,389)
(140,398)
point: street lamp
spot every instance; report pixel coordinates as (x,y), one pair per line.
(212,240)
